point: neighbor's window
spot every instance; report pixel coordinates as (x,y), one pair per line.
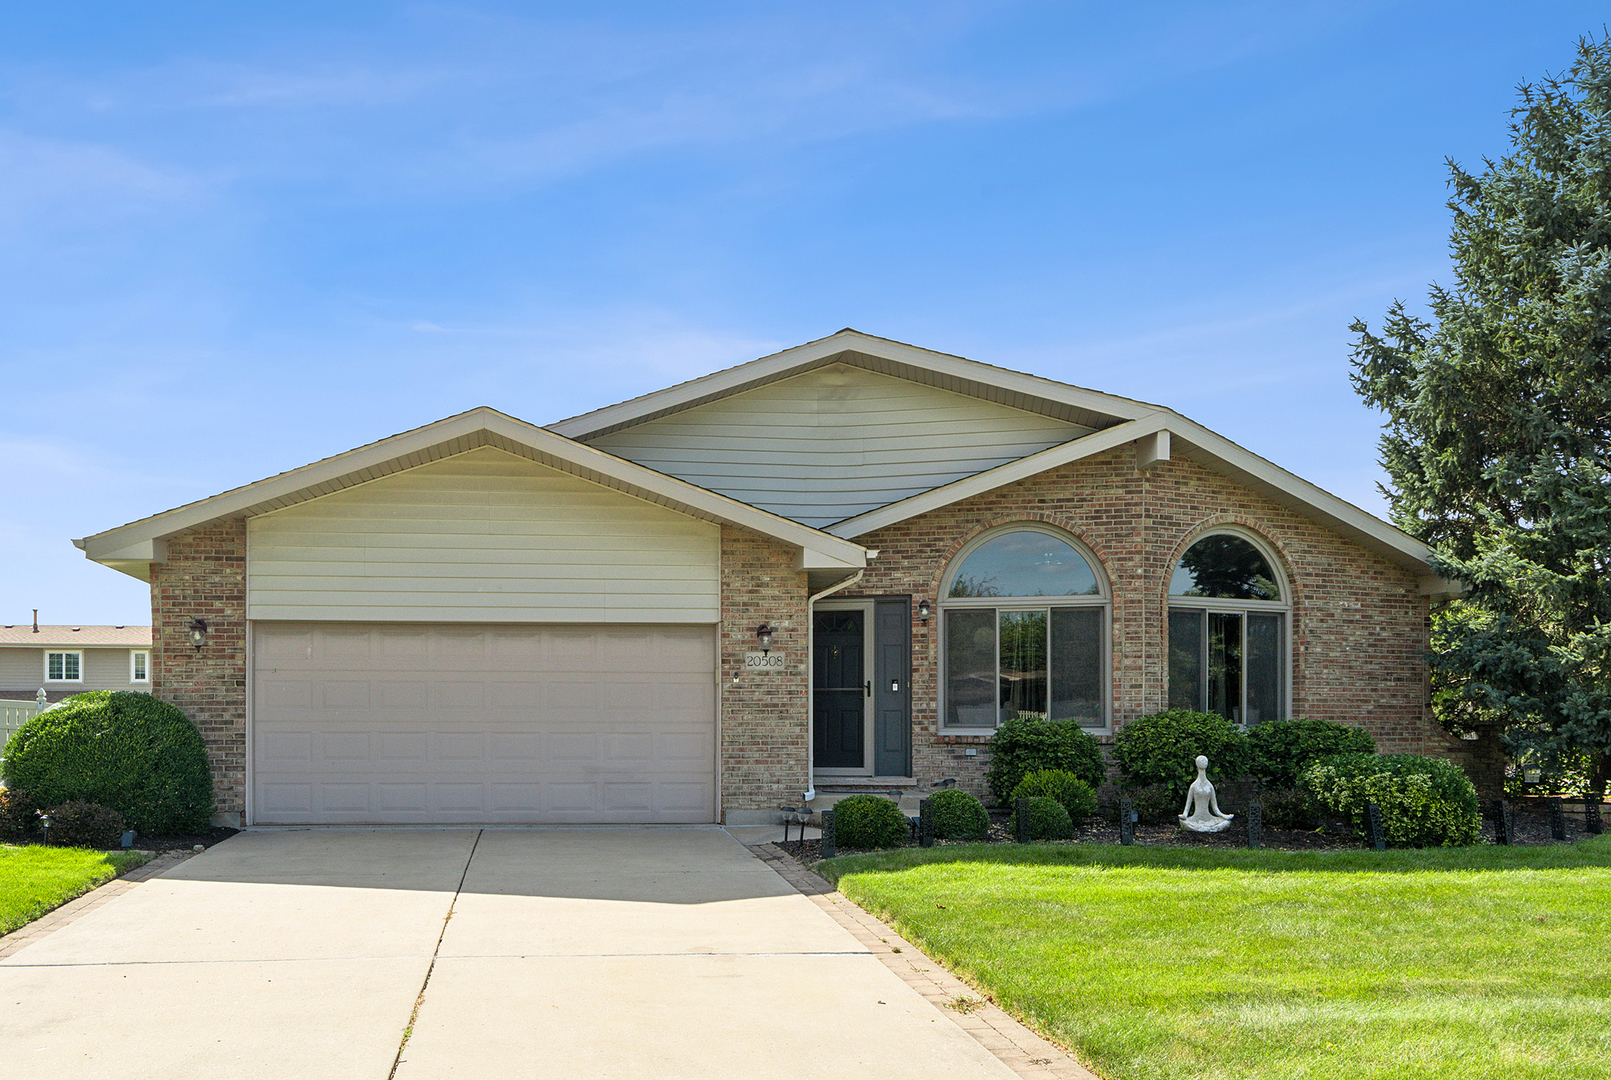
(64,667)
(1024,619)
(1228,631)
(139,666)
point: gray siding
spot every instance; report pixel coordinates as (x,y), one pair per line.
(23,668)
(483,537)
(835,442)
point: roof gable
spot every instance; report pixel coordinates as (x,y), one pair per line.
(834,441)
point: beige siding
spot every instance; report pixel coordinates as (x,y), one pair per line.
(835,442)
(482,537)
(103,669)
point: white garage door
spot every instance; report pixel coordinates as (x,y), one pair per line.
(356,723)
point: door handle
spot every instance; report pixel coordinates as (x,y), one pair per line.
(869,688)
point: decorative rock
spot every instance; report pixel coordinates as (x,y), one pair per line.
(1202,813)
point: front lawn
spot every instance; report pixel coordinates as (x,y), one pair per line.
(34,879)
(1170,962)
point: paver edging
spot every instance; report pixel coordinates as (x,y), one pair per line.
(59,916)
(1014,1045)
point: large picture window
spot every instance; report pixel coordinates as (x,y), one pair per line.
(64,667)
(1024,616)
(1228,631)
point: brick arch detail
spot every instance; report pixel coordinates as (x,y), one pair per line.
(1057,521)
(1260,529)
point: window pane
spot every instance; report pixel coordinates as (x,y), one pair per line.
(970,668)
(1024,564)
(70,665)
(139,667)
(1263,668)
(1225,665)
(1023,664)
(1076,650)
(54,668)
(1185,659)
(1224,566)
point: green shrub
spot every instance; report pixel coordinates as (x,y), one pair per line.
(1156,804)
(1048,820)
(1023,745)
(1425,802)
(1290,809)
(958,815)
(1074,794)
(1163,749)
(1283,749)
(869,821)
(125,750)
(85,824)
(18,820)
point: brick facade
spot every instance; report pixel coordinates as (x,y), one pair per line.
(205,578)
(763,716)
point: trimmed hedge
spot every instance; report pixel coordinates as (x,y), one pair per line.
(1163,749)
(869,821)
(86,825)
(1283,749)
(125,750)
(1425,802)
(1024,745)
(18,817)
(1073,794)
(1156,804)
(1048,820)
(958,815)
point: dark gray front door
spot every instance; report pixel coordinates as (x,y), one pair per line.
(892,698)
(839,685)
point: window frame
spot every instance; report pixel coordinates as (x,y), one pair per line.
(1206,604)
(64,653)
(134,670)
(1102,599)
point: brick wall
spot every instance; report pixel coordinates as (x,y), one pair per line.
(205,577)
(1359,625)
(763,716)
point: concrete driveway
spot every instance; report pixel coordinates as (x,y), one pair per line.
(515,953)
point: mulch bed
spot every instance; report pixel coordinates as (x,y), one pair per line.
(215,835)
(1531,829)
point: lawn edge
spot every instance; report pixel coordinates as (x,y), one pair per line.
(58,915)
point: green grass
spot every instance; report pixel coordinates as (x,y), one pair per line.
(1168,962)
(35,879)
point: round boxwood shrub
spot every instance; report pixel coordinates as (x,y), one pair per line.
(1074,794)
(1282,749)
(1163,749)
(18,818)
(1425,802)
(958,815)
(85,824)
(125,750)
(1048,820)
(1024,745)
(869,821)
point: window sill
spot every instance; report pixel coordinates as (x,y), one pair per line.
(965,736)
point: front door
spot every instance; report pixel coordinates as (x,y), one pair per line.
(840,689)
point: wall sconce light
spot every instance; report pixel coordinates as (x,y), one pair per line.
(198,632)
(764,632)
(924,611)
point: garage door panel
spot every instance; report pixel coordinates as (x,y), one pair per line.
(357,724)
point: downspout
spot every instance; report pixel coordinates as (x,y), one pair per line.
(811,699)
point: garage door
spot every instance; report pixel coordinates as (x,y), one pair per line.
(512,724)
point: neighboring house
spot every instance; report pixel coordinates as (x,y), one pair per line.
(839,566)
(68,660)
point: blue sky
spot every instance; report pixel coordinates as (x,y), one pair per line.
(237,238)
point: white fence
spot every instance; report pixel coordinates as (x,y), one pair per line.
(13,714)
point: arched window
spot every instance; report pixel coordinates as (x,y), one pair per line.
(1024,617)
(1228,612)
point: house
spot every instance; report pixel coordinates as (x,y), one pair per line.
(837,567)
(68,660)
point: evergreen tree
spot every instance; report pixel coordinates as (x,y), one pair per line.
(1498,414)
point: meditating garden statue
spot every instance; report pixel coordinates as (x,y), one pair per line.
(1202,807)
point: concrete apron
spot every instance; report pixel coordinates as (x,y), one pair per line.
(569,952)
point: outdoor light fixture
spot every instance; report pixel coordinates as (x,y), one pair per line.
(198,632)
(1532,774)
(924,610)
(764,632)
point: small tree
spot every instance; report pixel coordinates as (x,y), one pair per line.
(1498,433)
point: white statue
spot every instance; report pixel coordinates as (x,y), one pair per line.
(1202,807)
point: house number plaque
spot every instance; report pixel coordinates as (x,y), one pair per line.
(763,661)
